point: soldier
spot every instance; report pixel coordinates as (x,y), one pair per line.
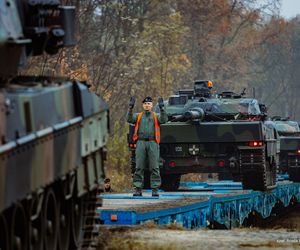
(147,138)
(107,185)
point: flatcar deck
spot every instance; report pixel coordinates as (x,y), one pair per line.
(198,205)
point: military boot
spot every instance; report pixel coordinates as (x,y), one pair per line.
(155,192)
(137,192)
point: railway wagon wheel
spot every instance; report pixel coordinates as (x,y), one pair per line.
(77,220)
(36,229)
(18,228)
(64,223)
(4,238)
(50,221)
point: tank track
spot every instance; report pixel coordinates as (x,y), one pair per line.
(253,169)
(16,221)
(91,219)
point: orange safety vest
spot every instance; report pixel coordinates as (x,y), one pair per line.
(156,125)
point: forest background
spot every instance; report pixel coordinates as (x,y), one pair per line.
(152,47)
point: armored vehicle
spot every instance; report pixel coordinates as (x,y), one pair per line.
(222,134)
(289,133)
(53,133)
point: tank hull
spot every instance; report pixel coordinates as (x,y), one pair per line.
(52,154)
(218,147)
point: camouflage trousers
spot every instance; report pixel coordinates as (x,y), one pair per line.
(147,151)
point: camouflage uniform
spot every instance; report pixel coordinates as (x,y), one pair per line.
(147,149)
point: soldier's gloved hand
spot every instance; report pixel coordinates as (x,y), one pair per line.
(161,103)
(131,102)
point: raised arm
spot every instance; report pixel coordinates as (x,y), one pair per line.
(130,116)
(163,116)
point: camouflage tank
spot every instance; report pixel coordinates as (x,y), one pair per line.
(53,133)
(224,134)
(289,133)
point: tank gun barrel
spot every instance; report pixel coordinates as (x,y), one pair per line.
(177,118)
(194,115)
(190,115)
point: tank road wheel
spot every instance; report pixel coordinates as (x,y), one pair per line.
(64,223)
(77,221)
(170,182)
(18,231)
(50,220)
(84,229)
(36,228)
(4,239)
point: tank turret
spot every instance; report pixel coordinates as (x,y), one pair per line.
(224,106)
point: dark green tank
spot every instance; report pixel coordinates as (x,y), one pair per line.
(222,134)
(289,133)
(53,133)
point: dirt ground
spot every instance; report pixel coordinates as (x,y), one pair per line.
(282,233)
